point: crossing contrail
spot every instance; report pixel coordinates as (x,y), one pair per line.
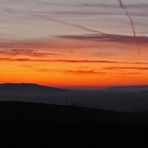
(74,25)
(131,22)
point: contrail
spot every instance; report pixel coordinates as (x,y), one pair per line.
(74,25)
(131,22)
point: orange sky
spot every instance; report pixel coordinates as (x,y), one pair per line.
(74,64)
(73,44)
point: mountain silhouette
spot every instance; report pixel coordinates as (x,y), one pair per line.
(130,98)
(27,88)
(129,88)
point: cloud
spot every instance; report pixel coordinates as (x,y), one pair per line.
(44,54)
(50,44)
(85,28)
(69,61)
(96,9)
(95,5)
(108,38)
(13,52)
(127,68)
(127,73)
(80,13)
(56,60)
(100,13)
(99,35)
(44,70)
(88,72)
(26,66)
(26,52)
(110,5)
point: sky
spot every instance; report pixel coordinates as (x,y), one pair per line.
(74,44)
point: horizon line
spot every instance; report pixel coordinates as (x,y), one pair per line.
(76,88)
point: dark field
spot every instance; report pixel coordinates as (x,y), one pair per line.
(42,125)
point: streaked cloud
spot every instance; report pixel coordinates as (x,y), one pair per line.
(108,38)
(26,52)
(127,68)
(88,72)
(73,61)
(78,72)
(45,41)
(81,71)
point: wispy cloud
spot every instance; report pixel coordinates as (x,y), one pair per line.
(108,38)
(95,4)
(70,61)
(127,68)
(100,13)
(57,60)
(78,72)
(85,28)
(110,5)
(126,73)
(26,52)
(88,72)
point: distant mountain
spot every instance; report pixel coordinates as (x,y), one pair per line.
(27,88)
(129,88)
(130,98)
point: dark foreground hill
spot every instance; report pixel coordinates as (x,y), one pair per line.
(43,125)
(37,114)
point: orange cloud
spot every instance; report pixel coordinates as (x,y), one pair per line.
(71,61)
(90,72)
(127,68)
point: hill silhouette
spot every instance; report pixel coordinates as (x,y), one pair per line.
(129,88)
(47,114)
(20,113)
(27,88)
(35,124)
(41,122)
(123,99)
